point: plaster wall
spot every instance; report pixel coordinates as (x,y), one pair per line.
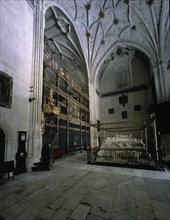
(134,118)
(16,22)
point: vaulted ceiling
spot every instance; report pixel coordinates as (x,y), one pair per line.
(97,32)
(61,31)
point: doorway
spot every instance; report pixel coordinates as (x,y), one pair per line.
(2,146)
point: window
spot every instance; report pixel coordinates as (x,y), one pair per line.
(122,80)
(137,107)
(111,110)
(124,115)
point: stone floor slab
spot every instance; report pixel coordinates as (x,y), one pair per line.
(81,212)
(102,208)
(73,189)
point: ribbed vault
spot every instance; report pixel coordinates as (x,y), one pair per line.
(60,30)
(101,27)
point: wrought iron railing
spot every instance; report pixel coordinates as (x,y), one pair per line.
(132,157)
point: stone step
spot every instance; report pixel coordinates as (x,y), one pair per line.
(40,168)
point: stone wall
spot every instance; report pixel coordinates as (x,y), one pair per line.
(112,111)
(16,22)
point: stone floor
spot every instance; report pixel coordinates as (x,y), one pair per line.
(74,190)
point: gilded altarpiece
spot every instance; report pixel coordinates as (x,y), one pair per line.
(65,104)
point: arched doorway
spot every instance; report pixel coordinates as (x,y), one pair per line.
(2,146)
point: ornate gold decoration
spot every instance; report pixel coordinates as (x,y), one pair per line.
(74,110)
(42,122)
(62,72)
(50,106)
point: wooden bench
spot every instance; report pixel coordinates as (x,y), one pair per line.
(7,170)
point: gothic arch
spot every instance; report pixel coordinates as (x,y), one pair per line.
(123,44)
(80,50)
(8,140)
(2,146)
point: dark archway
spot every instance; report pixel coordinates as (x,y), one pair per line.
(2,146)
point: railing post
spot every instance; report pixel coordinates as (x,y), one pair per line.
(146,138)
(156,140)
(89,156)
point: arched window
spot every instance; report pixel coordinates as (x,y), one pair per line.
(122,80)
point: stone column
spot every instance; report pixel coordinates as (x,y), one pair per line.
(160,82)
(35,135)
(93,120)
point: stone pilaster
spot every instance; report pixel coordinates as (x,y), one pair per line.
(34,135)
(160,82)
